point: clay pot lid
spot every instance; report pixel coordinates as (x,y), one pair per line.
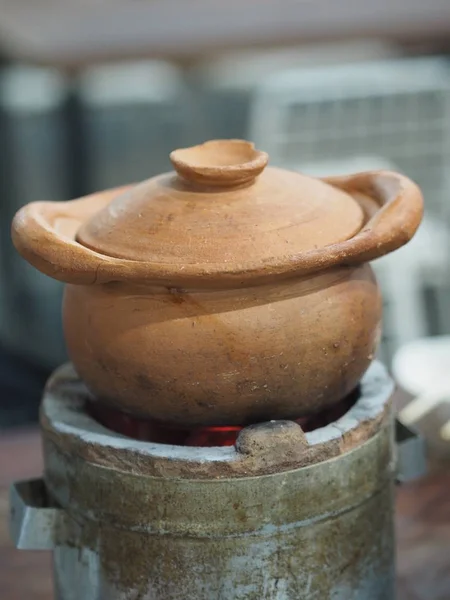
(223,206)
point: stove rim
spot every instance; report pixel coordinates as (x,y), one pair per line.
(65,421)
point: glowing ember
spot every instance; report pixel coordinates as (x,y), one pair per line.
(154,431)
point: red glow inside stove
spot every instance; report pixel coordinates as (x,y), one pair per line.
(213,436)
(162,433)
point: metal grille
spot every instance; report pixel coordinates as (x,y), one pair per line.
(397,110)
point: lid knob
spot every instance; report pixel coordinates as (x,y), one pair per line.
(223,163)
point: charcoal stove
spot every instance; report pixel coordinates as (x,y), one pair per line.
(279,512)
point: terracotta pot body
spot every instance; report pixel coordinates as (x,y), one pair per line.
(280,350)
(223,295)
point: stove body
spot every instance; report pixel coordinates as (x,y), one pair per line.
(283,515)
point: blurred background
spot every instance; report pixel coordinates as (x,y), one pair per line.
(96,94)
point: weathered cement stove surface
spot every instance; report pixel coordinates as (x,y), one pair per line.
(283,515)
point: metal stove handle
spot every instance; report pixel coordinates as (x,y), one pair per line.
(411,453)
(33,522)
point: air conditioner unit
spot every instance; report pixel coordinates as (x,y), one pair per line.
(394,109)
(224,84)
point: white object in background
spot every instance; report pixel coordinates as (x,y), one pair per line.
(408,271)
(31,90)
(344,166)
(144,81)
(423,365)
(422,368)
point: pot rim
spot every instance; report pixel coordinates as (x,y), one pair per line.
(44,233)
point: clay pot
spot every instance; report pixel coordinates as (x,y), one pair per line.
(224,293)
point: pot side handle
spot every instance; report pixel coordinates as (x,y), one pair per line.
(393,205)
(44,233)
